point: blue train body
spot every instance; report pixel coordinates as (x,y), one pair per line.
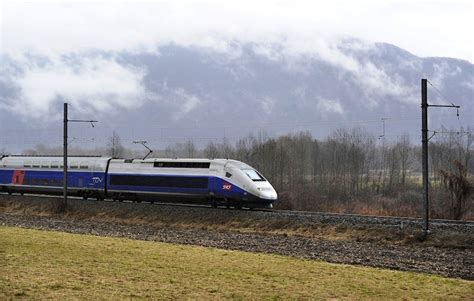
(214,181)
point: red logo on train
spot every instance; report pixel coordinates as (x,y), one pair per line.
(18,177)
(226,186)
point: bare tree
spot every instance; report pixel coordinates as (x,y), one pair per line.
(226,149)
(41,149)
(459,188)
(403,149)
(4,152)
(171,151)
(469,141)
(190,149)
(114,146)
(282,161)
(393,162)
(211,151)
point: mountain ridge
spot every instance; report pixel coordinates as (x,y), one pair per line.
(250,87)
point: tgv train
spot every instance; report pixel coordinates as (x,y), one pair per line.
(213,181)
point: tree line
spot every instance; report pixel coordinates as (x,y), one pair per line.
(350,171)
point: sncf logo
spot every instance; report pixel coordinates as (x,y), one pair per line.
(226,186)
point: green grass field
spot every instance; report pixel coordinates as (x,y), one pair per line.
(42,264)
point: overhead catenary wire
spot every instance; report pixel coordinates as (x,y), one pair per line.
(446,99)
(251,126)
(162,130)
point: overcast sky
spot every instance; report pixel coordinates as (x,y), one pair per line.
(425,28)
(52,51)
(56,50)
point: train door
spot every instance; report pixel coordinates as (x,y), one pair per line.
(212,183)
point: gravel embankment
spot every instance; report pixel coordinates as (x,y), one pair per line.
(451,262)
(172,213)
(446,262)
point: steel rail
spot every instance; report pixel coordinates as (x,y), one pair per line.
(269,211)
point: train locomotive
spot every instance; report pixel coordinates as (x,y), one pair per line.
(216,182)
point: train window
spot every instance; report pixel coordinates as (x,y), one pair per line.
(83,166)
(228,174)
(55,164)
(74,165)
(160,181)
(44,164)
(182,164)
(253,175)
(27,165)
(36,165)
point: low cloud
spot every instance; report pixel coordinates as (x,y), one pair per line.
(186,102)
(379,86)
(55,27)
(267,104)
(90,85)
(177,100)
(286,33)
(330,106)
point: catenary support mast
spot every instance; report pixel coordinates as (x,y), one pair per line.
(424,150)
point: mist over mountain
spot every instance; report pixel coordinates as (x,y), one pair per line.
(179,93)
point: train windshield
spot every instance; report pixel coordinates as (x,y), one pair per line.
(253,175)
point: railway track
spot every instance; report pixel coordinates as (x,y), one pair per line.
(385,217)
(397,221)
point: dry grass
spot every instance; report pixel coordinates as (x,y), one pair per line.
(285,226)
(40,264)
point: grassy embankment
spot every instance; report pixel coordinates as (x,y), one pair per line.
(209,219)
(42,264)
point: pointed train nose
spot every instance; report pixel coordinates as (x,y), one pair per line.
(267,193)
